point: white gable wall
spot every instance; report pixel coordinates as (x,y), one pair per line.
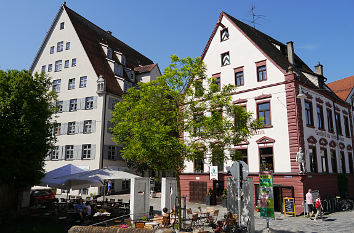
(244,53)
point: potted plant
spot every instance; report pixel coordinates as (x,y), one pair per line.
(208,198)
(224,198)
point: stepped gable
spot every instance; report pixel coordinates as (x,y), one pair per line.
(91,36)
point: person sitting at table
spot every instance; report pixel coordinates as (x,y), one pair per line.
(79,208)
(224,226)
(87,209)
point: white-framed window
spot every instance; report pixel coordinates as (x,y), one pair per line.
(58,65)
(111,152)
(71,84)
(55,153)
(56,129)
(83,81)
(66,64)
(73,105)
(56,85)
(73,62)
(59,105)
(71,127)
(69,152)
(88,126)
(51,51)
(61,25)
(67,45)
(89,103)
(86,151)
(43,68)
(50,68)
(60,46)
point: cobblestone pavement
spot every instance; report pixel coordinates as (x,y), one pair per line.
(336,222)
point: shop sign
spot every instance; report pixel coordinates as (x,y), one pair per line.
(214,172)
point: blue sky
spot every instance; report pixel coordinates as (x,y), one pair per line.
(321,30)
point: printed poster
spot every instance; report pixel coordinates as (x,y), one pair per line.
(266,195)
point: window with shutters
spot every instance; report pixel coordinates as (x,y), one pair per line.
(88,126)
(61,25)
(71,84)
(50,68)
(73,105)
(66,64)
(86,151)
(56,85)
(83,81)
(51,51)
(58,65)
(55,153)
(261,73)
(71,127)
(89,103)
(111,152)
(225,59)
(67,46)
(60,46)
(59,106)
(224,34)
(69,152)
(43,68)
(73,62)
(56,128)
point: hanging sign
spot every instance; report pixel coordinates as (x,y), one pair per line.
(214,172)
(266,195)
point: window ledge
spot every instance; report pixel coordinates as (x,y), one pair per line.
(267,126)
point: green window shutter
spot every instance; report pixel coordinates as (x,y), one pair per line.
(83,103)
(77,152)
(66,104)
(93,126)
(61,154)
(80,126)
(64,128)
(95,102)
(76,127)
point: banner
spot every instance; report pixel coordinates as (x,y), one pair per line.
(266,195)
(214,172)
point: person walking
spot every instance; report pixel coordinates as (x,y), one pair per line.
(309,202)
(318,206)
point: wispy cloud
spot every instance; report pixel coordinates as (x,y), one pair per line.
(308,46)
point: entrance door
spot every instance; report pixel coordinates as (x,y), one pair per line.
(197,191)
(277,198)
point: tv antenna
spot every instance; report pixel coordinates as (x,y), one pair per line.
(255,17)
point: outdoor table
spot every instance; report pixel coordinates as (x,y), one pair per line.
(99,214)
(152,225)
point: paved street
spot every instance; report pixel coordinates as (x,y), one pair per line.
(336,222)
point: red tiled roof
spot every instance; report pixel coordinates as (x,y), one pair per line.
(91,36)
(143,69)
(342,87)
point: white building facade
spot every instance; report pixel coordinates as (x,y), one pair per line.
(269,77)
(90,70)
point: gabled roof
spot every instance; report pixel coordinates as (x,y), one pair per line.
(342,87)
(265,43)
(144,69)
(91,36)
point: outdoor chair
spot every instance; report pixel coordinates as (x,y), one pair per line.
(165,221)
(189,213)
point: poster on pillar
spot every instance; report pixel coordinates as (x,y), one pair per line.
(266,195)
(214,172)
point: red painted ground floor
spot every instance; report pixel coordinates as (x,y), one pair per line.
(195,186)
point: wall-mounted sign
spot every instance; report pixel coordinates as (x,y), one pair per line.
(214,172)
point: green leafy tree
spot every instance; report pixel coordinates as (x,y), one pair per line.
(25,130)
(182,115)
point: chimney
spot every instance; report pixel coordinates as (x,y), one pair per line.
(290,48)
(109,32)
(319,69)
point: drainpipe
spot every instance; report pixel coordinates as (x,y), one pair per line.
(103,128)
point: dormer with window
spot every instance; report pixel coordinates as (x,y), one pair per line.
(118,70)
(109,53)
(224,34)
(101,85)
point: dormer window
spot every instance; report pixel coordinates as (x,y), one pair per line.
(123,60)
(109,53)
(61,25)
(118,70)
(224,34)
(225,59)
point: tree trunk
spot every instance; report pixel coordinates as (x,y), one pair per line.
(179,200)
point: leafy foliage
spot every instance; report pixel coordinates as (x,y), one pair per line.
(25,130)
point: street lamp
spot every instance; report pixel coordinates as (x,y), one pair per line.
(301,95)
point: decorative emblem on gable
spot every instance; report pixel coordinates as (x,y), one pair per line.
(312,140)
(264,140)
(328,104)
(341,146)
(332,144)
(349,147)
(245,142)
(323,142)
